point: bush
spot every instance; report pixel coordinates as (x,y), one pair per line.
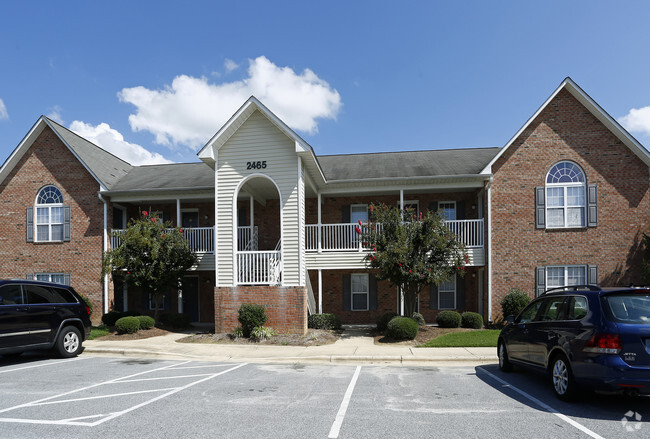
(237,333)
(402,328)
(88,303)
(472,320)
(175,320)
(419,319)
(146,322)
(260,333)
(324,321)
(127,325)
(111,317)
(382,321)
(515,301)
(448,319)
(251,316)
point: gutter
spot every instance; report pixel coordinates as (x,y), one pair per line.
(489,247)
(105,249)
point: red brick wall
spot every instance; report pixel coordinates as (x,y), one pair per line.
(565,130)
(286,307)
(48,161)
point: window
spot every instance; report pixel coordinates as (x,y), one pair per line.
(566,275)
(359,212)
(553,309)
(57,278)
(447,210)
(447,294)
(528,314)
(565,196)
(49,214)
(360,292)
(156,301)
(11,295)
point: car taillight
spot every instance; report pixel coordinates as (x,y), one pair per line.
(604,344)
(87,309)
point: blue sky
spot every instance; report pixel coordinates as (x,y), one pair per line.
(152,81)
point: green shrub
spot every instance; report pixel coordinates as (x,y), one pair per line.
(111,317)
(402,328)
(88,303)
(382,321)
(515,301)
(146,322)
(448,319)
(251,316)
(237,332)
(127,325)
(324,321)
(419,319)
(175,320)
(260,333)
(472,320)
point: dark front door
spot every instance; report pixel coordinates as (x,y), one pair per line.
(191,297)
(190,219)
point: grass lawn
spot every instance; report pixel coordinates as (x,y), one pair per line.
(98,331)
(478,338)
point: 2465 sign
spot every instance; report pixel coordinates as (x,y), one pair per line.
(256,165)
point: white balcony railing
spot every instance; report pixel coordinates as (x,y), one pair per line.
(343,237)
(201,239)
(259,267)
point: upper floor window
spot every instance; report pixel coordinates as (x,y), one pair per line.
(565,196)
(52,219)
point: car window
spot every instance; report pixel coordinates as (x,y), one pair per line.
(576,308)
(11,295)
(37,294)
(552,309)
(528,314)
(61,295)
(629,308)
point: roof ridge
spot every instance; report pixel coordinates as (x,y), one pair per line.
(412,151)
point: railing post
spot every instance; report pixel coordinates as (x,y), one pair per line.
(320,226)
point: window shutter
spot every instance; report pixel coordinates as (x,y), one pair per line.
(66,223)
(592,274)
(540,280)
(30,276)
(345,214)
(592,206)
(540,208)
(460,293)
(66,279)
(30,224)
(372,299)
(460,210)
(433,206)
(347,292)
(433,296)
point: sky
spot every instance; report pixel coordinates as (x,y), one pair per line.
(152,82)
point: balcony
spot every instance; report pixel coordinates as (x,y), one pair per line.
(201,239)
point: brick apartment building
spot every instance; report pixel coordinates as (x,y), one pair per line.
(565,201)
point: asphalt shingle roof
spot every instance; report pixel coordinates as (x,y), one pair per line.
(170,176)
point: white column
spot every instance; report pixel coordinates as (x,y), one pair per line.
(320,291)
(216,220)
(401,301)
(488,243)
(320,228)
(401,199)
(178,212)
(251,201)
(180,297)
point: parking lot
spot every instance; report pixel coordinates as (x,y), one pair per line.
(122,397)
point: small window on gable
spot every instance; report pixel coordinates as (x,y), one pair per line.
(566,196)
(49,219)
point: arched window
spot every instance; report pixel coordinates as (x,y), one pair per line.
(566,197)
(49,214)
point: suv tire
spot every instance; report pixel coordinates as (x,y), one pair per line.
(69,342)
(504,362)
(564,385)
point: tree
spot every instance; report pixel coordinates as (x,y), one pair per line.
(411,251)
(152,256)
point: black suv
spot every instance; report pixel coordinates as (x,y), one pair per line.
(41,315)
(583,336)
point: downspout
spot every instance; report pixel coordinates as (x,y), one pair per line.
(105,249)
(489,245)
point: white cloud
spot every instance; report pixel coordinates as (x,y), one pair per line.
(230,65)
(190,110)
(637,120)
(55,114)
(112,141)
(3,110)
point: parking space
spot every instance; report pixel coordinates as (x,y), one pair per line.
(107,397)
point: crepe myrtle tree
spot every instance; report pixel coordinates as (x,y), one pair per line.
(411,251)
(152,256)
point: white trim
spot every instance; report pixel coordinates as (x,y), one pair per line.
(320,291)
(367,292)
(489,249)
(565,206)
(449,291)
(301,225)
(566,274)
(216,221)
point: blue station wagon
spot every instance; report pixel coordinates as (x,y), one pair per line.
(583,337)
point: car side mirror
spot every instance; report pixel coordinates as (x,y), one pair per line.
(510,319)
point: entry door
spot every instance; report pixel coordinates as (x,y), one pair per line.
(191,297)
(189,219)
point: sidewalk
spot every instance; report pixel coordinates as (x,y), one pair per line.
(355,347)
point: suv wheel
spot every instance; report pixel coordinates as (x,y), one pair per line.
(562,378)
(69,342)
(504,362)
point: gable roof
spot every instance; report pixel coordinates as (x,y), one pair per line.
(610,123)
(171,176)
(106,168)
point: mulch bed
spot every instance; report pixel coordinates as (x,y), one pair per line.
(313,337)
(143,333)
(425,333)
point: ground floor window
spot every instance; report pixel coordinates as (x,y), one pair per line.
(57,278)
(559,276)
(447,294)
(360,292)
(156,301)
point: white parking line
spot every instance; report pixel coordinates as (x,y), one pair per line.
(545,406)
(88,398)
(51,363)
(338,421)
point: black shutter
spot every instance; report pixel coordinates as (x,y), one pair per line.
(592,206)
(433,296)
(540,207)
(347,292)
(460,293)
(540,280)
(460,210)
(372,285)
(433,206)
(592,274)
(66,223)
(345,214)
(30,224)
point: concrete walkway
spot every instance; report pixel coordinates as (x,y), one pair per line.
(356,346)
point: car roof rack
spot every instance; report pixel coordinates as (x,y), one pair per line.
(573,288)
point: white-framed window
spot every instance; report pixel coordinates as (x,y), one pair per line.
(49,214)
(447,294)
(566,197)
(156,301)
(57,278)
(358,212)
(447,210)
(563,275)
(360,292)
